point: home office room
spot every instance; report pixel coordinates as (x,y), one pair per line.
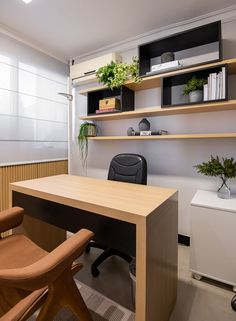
(118,162)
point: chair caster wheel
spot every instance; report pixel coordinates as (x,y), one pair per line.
(95,272)
(87,249)
(233,303)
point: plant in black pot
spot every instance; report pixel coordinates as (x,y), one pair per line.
(224,169)
(87,129)
(194,89)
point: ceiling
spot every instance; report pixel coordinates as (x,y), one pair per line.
(68,28)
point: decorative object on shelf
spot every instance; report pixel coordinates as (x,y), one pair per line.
(130,131)
(194,89)
(114,75)
(87,129)
(224,169)
(108,105)
(144,130)
(144,125)
(167,56)
(112,102)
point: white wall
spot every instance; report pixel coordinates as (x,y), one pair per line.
(170,163)
(33,118)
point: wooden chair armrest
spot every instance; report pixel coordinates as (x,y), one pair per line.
(46,270)
(11,218)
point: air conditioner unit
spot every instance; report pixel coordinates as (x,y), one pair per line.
(85,71)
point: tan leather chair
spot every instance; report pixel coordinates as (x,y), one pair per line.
(31,277)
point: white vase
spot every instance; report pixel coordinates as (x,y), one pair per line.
(195,96)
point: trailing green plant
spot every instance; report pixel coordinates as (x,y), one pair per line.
(224,169)
(114,75)
(86,129)
(193,84)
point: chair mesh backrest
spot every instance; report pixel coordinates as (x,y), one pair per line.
(130,168)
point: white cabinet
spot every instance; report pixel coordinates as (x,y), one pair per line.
(213,237)
(85,71)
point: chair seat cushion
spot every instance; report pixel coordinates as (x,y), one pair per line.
(19,251)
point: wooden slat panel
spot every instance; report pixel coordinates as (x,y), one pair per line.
(14,173)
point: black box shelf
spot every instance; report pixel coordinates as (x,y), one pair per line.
(124,94)
(172,87)
(192,47)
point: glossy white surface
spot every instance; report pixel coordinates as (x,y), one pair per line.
(209,199)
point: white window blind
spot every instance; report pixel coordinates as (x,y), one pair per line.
(33,117)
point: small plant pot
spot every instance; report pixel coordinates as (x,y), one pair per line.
(195,96)
(91,130)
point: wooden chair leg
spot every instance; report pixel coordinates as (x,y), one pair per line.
(64,293)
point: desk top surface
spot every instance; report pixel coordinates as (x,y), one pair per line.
(125,201)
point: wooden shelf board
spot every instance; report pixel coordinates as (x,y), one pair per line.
(166,137)
(158,111)
(155,81)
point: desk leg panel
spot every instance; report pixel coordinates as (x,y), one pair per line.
(114,233)
(157,279)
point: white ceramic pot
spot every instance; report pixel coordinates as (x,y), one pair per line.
(195,96)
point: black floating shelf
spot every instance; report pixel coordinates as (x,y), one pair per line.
(124,94)
(172,87)
(192,47)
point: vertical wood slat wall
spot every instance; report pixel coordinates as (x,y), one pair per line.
(14,173)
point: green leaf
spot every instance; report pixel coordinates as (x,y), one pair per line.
(193,84)
(214,167)
(114,75)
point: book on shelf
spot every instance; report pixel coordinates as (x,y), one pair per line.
(170,65)
(223,93)
(215,88)
(107,110)
(205,92)
(165,65)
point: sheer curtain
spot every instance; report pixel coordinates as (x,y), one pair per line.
(33,117)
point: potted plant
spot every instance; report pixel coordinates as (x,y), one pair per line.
(114,75)
(224,169)
(87,129)
(194,89)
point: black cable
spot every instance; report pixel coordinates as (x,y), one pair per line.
(233,303)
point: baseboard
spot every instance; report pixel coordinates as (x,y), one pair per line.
(183,239)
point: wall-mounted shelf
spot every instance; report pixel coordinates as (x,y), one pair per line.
(123,94)
(172,87)
(158,111)
(166,137)
(189,47)
(155,81)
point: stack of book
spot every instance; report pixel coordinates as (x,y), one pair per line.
(108,105)
(164,67)
(215,88)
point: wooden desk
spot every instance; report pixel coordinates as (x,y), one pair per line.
(147,215)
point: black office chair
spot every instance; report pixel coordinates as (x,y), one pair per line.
(130,168)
